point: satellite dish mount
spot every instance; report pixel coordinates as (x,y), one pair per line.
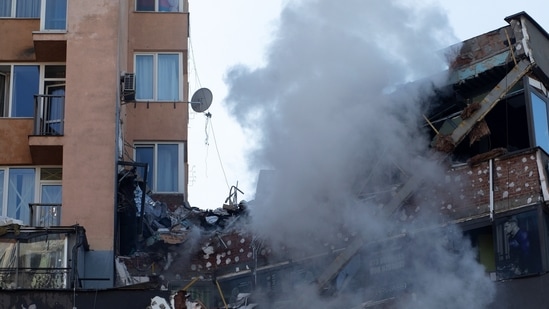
(201,100)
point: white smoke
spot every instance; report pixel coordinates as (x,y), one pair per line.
(337,124)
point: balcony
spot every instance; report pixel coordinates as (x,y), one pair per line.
(50,46)
(36,258)
(46,141)
(50,43)
(45,214)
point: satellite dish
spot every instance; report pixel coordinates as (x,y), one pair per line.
(201,100)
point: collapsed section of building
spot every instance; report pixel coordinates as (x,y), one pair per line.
(489,126)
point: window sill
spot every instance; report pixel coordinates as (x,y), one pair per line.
(20,18)
(160,12)
(46,32)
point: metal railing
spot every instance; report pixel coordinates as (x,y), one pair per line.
(45,214)
(34,278)
(49,114)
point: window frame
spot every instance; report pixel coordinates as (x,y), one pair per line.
(534,88)
(9,84)
(43,17)
(155,77)
(154,172)
(157,7)
(4,182)
(13,11)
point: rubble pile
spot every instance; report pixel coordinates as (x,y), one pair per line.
(178,242)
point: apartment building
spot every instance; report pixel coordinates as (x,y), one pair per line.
(489,129)
(92,88)
(87,88)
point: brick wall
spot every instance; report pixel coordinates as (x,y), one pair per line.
(516,183)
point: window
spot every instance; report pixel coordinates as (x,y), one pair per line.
(20,82)
(518,245)
(165,160)
(158,77)
(1,188)
(21,186)
(482,240)
(20,8)
(37,262)
(24,81)
(540,120)
(54,15)
(159,5)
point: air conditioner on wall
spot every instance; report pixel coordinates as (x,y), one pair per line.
(128,86)
(129,82)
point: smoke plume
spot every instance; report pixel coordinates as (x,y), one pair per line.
(340,124)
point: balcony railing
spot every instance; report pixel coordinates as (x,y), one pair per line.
(34,259)
(49,114)
(45,215)
(34,278)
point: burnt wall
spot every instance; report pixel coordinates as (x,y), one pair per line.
(61,299)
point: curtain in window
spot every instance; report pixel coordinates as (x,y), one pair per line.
(20,193)
(144,77)
(5,8)
(56,15)
(27,8)
(168,77)
(168,167)
(25,86)
(168,5)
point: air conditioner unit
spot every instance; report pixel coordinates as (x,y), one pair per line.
(128,87)
(129,82)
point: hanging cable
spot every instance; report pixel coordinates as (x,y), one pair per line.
(206,140)
(196,77)
(217,149)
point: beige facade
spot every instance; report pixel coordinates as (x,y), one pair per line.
(82,64)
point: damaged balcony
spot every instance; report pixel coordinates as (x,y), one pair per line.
(38,258)
(46,143)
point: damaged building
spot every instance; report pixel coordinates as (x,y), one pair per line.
(93,192)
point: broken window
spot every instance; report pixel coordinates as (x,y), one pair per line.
(165,160)
(482,241)
(42,261)
(540,120)
(518,245)
(158,77)
(39,262)
(8,264)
